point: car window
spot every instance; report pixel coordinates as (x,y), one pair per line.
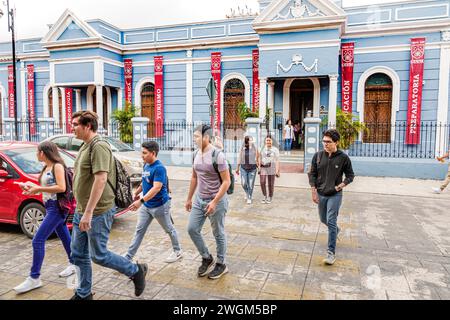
(117,145)
(61,142)
(6,166)
(27,161)
(76,144)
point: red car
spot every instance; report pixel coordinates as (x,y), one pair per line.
(18,163)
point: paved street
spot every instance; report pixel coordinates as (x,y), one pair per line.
(392,247)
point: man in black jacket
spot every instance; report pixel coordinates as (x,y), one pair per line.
(325,178)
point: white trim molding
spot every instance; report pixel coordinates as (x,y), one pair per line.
(137,92)
(3,102)
(228,77)
(287,97)
(45,93)
(395,93)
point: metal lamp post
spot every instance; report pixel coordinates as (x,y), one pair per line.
(10,13)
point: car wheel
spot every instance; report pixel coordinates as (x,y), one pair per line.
(31,218)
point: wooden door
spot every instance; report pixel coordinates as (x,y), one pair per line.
(234,94)
(377,114)
(148,107)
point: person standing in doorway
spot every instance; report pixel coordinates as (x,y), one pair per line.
(326,181)
(155,204)
(247,167)
(269,162)
(211,180)
(94,171)
(53,181)
(288,137)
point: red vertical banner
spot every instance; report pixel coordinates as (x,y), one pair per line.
(31,99)
(11,93)
(128,66)
(69,108)
(159,96)
(256,88)
(216,72)
(348,63)
(415,90)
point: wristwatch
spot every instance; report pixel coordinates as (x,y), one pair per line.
(142,200)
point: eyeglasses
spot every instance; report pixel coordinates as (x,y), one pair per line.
(327,141)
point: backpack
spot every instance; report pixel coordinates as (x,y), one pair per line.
(122,188)
(215,155)
(66,199)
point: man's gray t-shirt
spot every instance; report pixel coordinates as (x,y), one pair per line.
(208,179)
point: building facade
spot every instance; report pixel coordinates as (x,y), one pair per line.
(289,58)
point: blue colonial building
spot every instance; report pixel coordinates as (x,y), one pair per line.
(299,46)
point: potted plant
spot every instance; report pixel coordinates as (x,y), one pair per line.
(123,118)
(348,126)
(244,112)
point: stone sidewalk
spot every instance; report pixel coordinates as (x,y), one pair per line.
(392,247)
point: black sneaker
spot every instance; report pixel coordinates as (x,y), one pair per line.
(77,297)
(206,267)
(218,271)
(139,279)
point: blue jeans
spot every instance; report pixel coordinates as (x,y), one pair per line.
(146,216)
(197,219)
(54,221)
(93,245)
(287,144)
(329,211)
(248,181)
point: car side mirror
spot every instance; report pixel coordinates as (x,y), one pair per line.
(4,174)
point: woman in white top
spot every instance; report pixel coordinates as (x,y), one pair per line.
(269,162)
(288,137)
(53,181)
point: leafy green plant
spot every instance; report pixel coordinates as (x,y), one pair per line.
(244,112)
(123,118)
(348,126)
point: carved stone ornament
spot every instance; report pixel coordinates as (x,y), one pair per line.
(445,35)
(299,10)
(297,60)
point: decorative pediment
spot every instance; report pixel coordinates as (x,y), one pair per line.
(70,27)
(288,14)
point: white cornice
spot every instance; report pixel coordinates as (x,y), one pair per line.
(396,48)
(302,45)
(396,28)
(300,25)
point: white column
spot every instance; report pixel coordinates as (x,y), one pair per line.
(442,112)
(119,99)
(55,99)
(78,98)
(189,90)
(262,97)
(99,95)
(332,104)
(271,99)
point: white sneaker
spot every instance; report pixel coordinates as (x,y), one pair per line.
(264,200)
(269,200)
(249,201)
(174,256)
(330,259)
(437,190)
(67,272)
(28,285)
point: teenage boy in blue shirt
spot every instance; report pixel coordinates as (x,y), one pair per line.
(155,203)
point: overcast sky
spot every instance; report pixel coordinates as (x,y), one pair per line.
(33,16)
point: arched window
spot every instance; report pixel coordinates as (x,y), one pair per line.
(148,106)
(378,108)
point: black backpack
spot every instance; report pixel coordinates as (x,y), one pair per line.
(122,188)
(215,155)
(66,199)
